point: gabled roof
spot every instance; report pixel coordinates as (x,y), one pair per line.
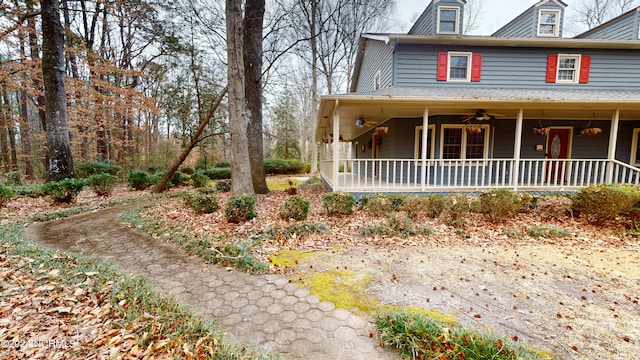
(526,13)
(424,13)
(605,24)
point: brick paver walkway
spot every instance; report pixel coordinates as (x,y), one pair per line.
(263,311)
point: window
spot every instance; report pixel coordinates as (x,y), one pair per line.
(448,20)
(457,143)
(376,81)
(635,148)
(417,153)
(548,23)
(459,66)
(568,68)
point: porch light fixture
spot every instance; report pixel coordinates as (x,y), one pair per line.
(360,123)
(382,129)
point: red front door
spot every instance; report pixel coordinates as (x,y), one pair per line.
(557,149)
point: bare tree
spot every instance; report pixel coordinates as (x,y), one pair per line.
(60,157)
(472,14)
(241,182)
(595,12)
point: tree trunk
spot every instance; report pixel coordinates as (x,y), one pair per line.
(162,184)
(241,182)
(58,143)
(314,86)
(252,54)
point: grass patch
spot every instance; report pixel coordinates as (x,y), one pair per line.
(421,337)
(547,232)
(221,251)
(116,301)
(282,183)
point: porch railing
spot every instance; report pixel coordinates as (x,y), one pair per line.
(473,175)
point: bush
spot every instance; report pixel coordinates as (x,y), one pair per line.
(6,193)
(223,185)
(187,170)
(338,203)
(103,184)
(199,179)
(240,208)
(86,169)
(138,180)
(295,207)
(222,164)
(553,207)
(499,204)
(218,173)
(179,178)
(598,204)
(155,178)
(455,210)
(283,166)
(382,204)
(547,232)
(403,226)
(417,207)
(64,191)
(202,202)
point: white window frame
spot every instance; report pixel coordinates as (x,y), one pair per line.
(576,70)
(463,145)
(634,147)
(457,21)
(469,57)
(376,81)
(416,149)
(556,24)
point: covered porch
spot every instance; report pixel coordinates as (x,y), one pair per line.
(528,145)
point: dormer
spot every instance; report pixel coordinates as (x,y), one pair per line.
(542,20)
(441,17)
(623,27)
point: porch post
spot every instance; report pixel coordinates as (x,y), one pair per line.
(613,143)
(336,147)
(423,153)
(516,150)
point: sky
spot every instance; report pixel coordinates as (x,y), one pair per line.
(494,14)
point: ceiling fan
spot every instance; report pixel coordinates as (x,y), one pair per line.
(480,115)
(361,122)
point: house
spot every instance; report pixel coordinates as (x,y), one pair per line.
(435,110)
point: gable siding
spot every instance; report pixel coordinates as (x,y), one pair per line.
(526,24)
(624,28)
(424,24)
(378,57)
(416,66)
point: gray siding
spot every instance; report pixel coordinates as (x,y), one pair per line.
(427,22)
(526,24)
(377,57)
(416,66)
(624,27)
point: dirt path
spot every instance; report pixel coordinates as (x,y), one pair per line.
(579,302)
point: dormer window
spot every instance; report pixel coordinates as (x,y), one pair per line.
(448,20)
(549,23)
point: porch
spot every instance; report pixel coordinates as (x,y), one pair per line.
(408,175)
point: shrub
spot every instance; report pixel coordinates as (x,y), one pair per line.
(222,164)
(455,210)
(155,178)
(283,166)
(223,185)
(199,179)
(403,226)
(499,204)
(374,229)
(86,169)
(218,173)
(202,202)
(179,178)
(547,232)
(553,207)
(304,228)
(338,203)
(382,204)
(103,184)
(6,193)
(187,170)
(240,208)
(598,204)
(64,191)
(138,180)
(33,191)
(417,207)
(295,207)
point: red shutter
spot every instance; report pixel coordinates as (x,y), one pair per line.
(443,59)
(585,66)
(476,67)
(552,67)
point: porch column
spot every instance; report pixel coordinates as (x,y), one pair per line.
(336,147)
(613,143)
(423,153)
(516,150)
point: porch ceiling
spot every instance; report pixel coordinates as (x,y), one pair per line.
(378,107)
